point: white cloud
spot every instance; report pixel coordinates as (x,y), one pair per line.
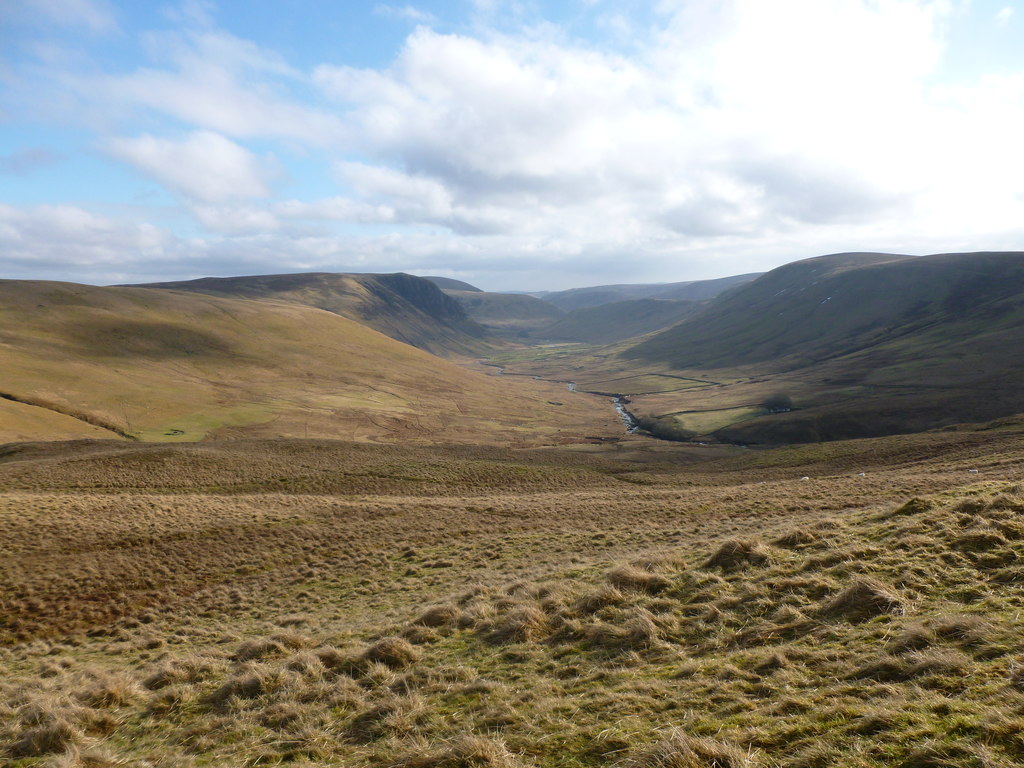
(235,219)
(69,241)
(204,166)
(739,131)
(1004,16)
(218,82)
(531,134)
(405,13)
(335,209)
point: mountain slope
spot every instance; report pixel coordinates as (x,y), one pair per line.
(404,307)
(450,284)
(866,344)
(169,365)
(609,323)
(693,290)
(834,305)
(511,315)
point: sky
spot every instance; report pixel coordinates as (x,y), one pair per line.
(516,145)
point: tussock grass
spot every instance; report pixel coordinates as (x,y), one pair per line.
(736,553)
(574,625)
(864,599)
(462,752)
(631,577)
(392,652)
(677,750)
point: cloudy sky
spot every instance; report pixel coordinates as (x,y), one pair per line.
(516,145)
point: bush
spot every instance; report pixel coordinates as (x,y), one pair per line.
(664,428)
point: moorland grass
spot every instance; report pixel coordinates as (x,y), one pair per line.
(382,607)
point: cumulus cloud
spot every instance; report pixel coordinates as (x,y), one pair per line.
(520,131)
(723,137)
(67,242)
(204,166)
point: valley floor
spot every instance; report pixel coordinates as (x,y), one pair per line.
(646,604)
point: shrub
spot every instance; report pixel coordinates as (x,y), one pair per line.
(664,428)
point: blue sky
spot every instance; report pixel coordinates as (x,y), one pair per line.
(516,145)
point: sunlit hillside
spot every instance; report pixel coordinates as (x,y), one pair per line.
(163,365)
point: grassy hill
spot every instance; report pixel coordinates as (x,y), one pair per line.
(404,307)
(450,284)
(694,290)
(610,323)
(864,344)
(170,365)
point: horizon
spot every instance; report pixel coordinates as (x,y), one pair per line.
(591,143)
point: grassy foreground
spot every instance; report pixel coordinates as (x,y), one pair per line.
(327,603)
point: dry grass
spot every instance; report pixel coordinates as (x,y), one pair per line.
(478,607)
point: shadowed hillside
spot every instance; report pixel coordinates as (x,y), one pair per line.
(510,315)
(83,361)
(451,284)
(609,323)
(866,344)
(694,290)
(404,307)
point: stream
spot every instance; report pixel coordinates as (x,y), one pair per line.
(619,401)
(627,418)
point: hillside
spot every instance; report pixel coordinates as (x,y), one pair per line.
(693,290)
(865,344)
(171,365)
(450,284)
(510,315)
(609,323)
(404,307)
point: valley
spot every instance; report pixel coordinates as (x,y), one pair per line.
(382,520)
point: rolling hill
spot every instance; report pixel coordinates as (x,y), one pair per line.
(84,361)
(451,284)
(694,290)
(509,315)
(404,307)
(866,343)
(610,323)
